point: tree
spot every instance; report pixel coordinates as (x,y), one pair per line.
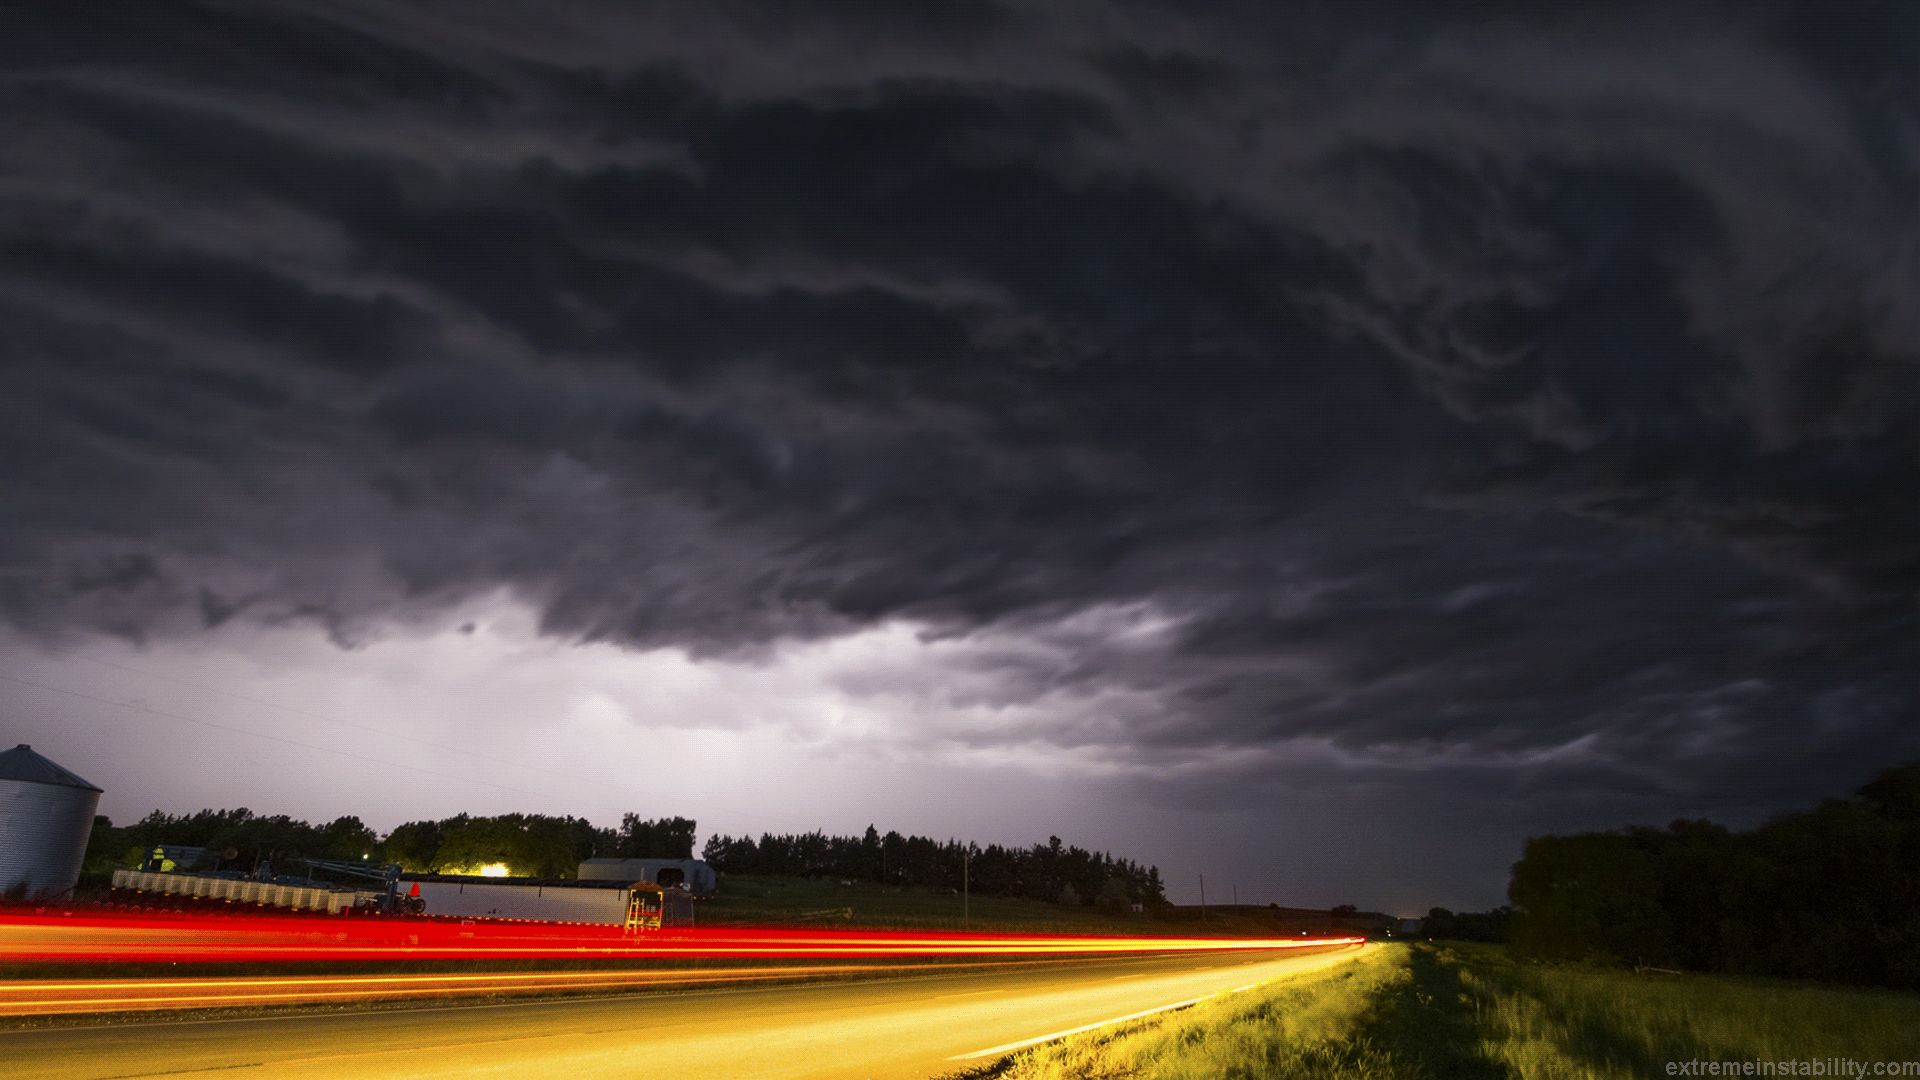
(1832,893)
(470,844)
(530,845)
(1587,896)
(346,838)
(1895,793)
(107,848)
(1445,925)
(414,844)
(656,838)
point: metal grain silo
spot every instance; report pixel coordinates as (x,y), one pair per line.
(46,815)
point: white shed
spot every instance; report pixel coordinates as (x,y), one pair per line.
(693,874)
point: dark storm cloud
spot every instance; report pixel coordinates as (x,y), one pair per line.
(1529,396)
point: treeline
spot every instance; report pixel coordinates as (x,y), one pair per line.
(1443,925)
(233,836)
(1831,894)
(534,845)
(1050,871)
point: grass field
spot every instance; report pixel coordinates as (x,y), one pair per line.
(1453,1013)
(790,901)
(787,901)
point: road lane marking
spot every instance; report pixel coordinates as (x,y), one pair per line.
(1006,1048)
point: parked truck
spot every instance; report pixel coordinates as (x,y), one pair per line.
(635,905)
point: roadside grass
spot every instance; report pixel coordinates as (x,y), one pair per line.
(1465,1013)
(1308,1025)
(1588,1023)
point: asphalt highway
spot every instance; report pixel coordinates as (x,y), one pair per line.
(916,1026)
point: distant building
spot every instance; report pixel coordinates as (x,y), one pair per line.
(692,874)
(46,816)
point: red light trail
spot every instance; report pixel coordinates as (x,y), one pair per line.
(119,939)
(110,940)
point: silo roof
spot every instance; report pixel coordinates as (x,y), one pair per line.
(21,763)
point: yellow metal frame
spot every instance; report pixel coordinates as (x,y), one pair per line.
(646,906)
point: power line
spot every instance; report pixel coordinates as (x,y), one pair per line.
(136,707)
(311,715)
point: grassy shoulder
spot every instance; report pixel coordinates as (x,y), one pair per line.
(1577,1021)
(1304,1025)
(1445,1012)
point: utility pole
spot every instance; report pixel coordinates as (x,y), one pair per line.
(1203,898)
(966,893)
(1236,895)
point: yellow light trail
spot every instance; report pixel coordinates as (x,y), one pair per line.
(45,997)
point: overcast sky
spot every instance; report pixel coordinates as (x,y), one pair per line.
(1315,450)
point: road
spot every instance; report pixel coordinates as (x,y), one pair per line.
(903,1027)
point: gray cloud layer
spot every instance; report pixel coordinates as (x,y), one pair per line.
(1524,404)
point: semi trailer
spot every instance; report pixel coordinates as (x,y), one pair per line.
(239,889)
(635,905)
